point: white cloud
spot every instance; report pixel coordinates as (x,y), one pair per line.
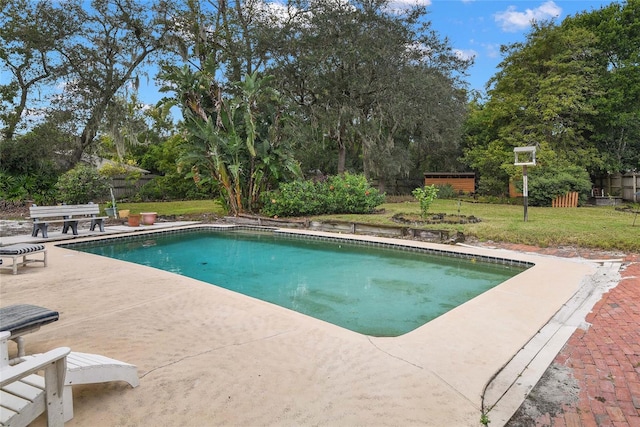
(511,20)
(407,4)
(465,54)
(401,6)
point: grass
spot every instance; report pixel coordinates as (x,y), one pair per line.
(601,227)
(179,208)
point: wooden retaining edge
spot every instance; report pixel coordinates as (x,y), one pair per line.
(569,200)
(434,236)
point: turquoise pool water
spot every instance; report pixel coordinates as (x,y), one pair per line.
(370,290)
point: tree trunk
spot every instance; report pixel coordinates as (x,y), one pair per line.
(342,150)
(342,157)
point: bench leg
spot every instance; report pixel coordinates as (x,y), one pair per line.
(73,225)
(20,343)
(40,227)
(99,222)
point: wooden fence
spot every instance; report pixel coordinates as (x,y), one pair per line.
(569,200)
(123,187)
(618,185)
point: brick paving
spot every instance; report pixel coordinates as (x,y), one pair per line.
(605,358)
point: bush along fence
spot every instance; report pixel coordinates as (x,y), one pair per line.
(124,187)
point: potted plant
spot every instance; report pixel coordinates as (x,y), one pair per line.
(133,220)
(148,218)
(111,209)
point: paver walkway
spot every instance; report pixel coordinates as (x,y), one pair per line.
(604,360)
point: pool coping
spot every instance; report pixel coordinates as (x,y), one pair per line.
(317,235)
(445,364)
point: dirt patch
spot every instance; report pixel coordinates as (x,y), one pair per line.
(556,388)
(13,210)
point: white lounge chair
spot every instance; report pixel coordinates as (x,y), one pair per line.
(24,395)
(81,368)
(85,368)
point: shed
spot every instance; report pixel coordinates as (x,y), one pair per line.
(464,182)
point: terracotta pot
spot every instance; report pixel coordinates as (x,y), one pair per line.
(148,218)
(133,220)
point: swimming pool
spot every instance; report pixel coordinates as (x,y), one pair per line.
(373,289)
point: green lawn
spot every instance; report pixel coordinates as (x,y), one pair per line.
(186,207)
(601,227)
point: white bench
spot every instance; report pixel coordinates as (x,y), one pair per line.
(68,215)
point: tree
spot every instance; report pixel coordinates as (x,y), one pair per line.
(572,89)
(235,35)
(118,37)
(368,83)
(484,151)
(616,132)
(541,96)
(544,88)
(125,126)
(95,52)
(29,35)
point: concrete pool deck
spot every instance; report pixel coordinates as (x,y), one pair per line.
(208,356)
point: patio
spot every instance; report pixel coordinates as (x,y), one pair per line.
(208,356)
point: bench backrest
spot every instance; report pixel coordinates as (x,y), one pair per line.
(63,210)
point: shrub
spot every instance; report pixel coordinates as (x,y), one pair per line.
(19,188)
(112,170)
(82,184)
(337,195)
(493,186)
(351,194)
(27,170)
(547,183)
(174,187)
(425,195)
(446,191)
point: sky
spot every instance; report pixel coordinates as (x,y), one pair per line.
(479,27)
(475,28)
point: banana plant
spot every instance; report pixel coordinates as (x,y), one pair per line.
(237,140)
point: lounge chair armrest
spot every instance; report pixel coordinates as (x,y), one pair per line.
(9,374)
